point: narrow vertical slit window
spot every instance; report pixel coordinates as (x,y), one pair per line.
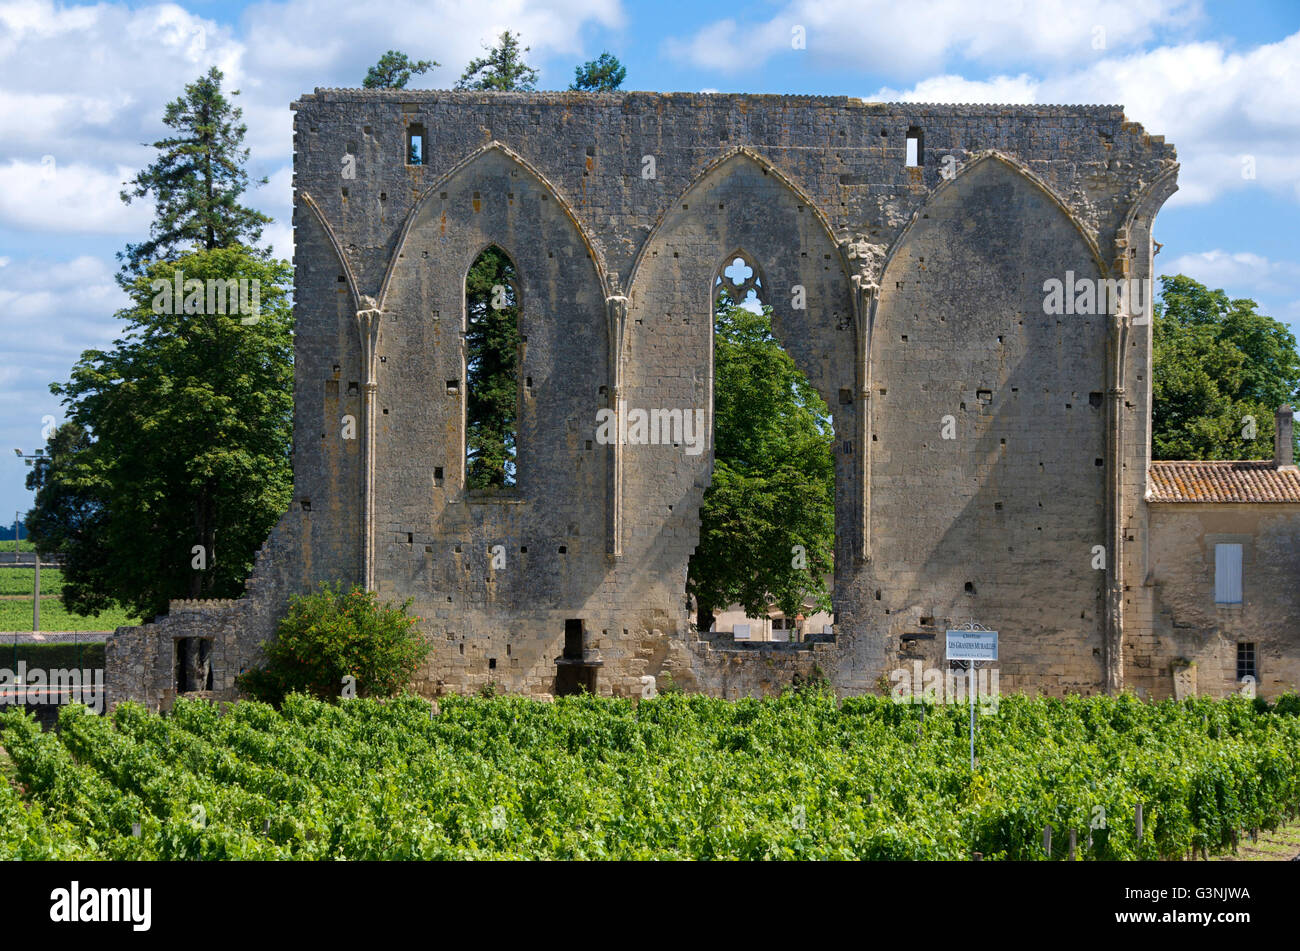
(492,398)
(915,147)
(415,139)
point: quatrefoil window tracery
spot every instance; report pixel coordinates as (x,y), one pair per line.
(739,282)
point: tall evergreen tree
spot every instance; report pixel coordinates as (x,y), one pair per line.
(602,74)
(196,182)
(394,70)
(502,70)
(175,462)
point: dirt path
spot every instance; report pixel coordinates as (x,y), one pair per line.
(1280,845)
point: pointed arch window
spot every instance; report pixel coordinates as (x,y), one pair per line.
(767,518)
(492,344)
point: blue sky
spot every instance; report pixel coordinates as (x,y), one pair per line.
(83,85)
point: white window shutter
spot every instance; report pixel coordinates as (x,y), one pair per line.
(741,632)
(1227,574)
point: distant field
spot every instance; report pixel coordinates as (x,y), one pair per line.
(51,656)
(16,610)
(16,615)
(19,580)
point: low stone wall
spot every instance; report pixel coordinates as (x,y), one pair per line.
(140,661)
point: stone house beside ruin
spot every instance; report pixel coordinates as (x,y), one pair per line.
(988,447)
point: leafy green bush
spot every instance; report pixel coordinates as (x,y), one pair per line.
(330,635)
(1288,705)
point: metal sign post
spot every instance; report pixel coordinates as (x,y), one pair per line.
(972,643)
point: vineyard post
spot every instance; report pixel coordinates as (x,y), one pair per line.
(1137,822)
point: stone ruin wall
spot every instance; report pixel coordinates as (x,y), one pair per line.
(923,294)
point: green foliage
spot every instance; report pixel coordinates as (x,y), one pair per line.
(196,181)
(55,616)
(56,656)
(394,70)
(602,74)
(21,580)
(492,371)
(1215,362)
(773,488)
(331,634)
(178,436)
(675,777)
(502,70)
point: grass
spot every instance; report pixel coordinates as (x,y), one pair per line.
(19,580)
(16,610)
(52,656)
(1280,845)
(16,615)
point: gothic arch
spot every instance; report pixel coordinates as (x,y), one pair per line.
(325,226)
(1020,169)
(422,209)
(739,153)
(495,198)
(738,201)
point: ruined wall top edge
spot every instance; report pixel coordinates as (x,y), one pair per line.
(571,97)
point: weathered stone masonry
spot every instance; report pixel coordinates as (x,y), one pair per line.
(924,301)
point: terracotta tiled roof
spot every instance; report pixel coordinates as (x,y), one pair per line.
(1254,480)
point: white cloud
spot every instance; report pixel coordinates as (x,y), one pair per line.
(86,86)
(1274,285)
(910,38)
(1216,106)
(50,311)
(1020,89)
(1237,269)
(46,196)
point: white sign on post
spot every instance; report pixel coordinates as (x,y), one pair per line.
(972,645)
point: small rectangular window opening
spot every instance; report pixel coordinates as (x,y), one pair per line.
(915,147)
(415,144)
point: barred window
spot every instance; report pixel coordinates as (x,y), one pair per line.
(1246,661)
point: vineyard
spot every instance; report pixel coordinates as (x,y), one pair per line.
(802,776)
